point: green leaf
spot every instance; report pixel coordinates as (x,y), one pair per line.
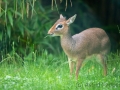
(21,27)
(9,31)
(10,17)
(0,36)
(2,13)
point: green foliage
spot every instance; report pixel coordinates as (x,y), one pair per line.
(52,72)
(25,22)
(25,59)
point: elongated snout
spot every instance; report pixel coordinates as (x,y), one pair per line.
(50,32)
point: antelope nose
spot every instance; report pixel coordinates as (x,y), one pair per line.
(50,33)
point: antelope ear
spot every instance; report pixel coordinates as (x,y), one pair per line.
(71,20)
(61,16)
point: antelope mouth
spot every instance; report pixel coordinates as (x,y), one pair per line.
(51,34)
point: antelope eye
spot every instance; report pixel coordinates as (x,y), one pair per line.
(59,26)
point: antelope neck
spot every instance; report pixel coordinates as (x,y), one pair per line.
(67,42)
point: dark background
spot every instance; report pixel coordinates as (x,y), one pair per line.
(94,13)
(23,32)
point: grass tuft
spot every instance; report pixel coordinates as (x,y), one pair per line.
(49,72)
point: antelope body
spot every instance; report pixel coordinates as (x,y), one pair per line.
(92,41)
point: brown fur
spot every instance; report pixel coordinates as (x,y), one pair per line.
(92,41)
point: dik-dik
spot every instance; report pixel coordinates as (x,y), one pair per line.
(92,41)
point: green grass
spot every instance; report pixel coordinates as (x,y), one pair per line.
(51,72)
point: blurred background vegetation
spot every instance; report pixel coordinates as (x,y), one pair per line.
(24,23)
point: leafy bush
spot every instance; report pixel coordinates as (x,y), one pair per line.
(24,23)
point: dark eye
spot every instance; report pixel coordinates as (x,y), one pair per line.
(59,26)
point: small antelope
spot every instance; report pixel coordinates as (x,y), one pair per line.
(92,41)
